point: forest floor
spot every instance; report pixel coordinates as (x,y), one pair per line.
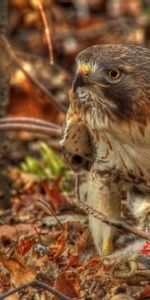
(43,235)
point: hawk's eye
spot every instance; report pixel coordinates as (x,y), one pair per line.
(114,74)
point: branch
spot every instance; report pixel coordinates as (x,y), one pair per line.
(4,44)
(52,212)
(34,57)
(47,32)
(35,283)
(33,121)
(33,128)
(103,218)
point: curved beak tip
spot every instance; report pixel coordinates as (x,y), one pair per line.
(78,81)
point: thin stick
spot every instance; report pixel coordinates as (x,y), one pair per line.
(7,47)
(47,31)
(29,120)
(36,283)
(33,128)
(103,218)
(77,189)
(33,57)
(51,211)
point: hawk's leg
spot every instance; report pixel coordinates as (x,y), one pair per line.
(139,204)
(104,196)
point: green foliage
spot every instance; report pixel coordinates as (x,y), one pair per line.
(49,166)
(146,11)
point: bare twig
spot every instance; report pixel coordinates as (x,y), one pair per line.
(103,218)
(39,284)
(33,121)
(132,273)
(34,57)
(33,128)
(34,125)
(47,31)
(51,211)
(7,47)
(77,189)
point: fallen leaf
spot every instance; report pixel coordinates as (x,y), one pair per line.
(11,233)
(56,251)
(68,284)
(19,273)
(57,200)
(145,293)
(24,246)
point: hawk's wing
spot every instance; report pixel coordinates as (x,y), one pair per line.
(76,143)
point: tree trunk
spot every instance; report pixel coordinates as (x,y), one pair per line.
(4,100)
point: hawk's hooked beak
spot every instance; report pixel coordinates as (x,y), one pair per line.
(81,76)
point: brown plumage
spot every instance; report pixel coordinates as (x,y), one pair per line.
(76,144)
(111,97)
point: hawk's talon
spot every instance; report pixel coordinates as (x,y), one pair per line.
(107,136)
(107,246)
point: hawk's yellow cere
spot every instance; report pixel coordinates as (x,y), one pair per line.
(85,69)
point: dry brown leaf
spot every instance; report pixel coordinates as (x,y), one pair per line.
(19,273)
(56,251)
(12,297)
(68,284)
(8,232)
(145,293)
(57,200)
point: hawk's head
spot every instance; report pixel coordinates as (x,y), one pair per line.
(112,82)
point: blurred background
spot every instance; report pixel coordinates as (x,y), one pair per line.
(42,234)
(71,26)
(74,25)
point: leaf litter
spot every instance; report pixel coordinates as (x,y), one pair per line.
(33,244)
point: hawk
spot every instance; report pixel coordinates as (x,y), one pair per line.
(107,133)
